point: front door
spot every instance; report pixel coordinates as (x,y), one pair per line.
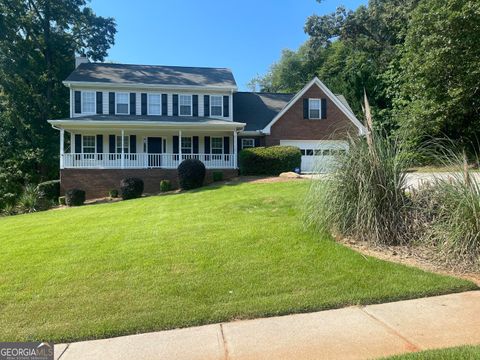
(154,149)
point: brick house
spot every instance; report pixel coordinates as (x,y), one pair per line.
(143,120)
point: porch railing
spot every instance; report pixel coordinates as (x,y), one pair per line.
(143,160)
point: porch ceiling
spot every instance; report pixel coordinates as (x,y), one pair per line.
(145,122)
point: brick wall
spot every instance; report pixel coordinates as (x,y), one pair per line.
(97,182)
(292,125)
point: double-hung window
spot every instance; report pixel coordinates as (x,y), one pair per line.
(88,146)
(314,108)
(122,103)
(186,145)
(154,104)
(126,144)
(217,145)
(248,143)
(185,104)
(88,102)
(216,107)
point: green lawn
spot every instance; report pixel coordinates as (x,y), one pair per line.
(456,353)
(162,262)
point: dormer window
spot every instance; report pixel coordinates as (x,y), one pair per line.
(185,104)
(314,108)
(88,102)
(122,104)
(154,104)
(216,106)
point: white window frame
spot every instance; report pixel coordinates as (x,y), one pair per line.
(248,146)
(159,102)
(116,103)
(319,109)
(211,145)
(191,144)
(221,105)
(180,104)
(94,102)
(94,144)
(126,143)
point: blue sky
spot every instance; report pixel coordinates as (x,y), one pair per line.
(246,36)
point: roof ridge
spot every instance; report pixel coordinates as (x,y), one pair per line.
(157,65)
(265,92)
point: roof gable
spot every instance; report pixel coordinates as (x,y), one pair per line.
(126,74)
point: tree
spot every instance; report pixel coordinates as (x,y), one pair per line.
(38,40)
(440,89)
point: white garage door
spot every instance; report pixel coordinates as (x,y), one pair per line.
(317,155)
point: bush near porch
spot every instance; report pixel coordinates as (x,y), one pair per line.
(204,256)
(271,160)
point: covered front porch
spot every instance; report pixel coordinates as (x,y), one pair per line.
(135,145)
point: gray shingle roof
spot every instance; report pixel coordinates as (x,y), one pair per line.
(258,109)
(152,75)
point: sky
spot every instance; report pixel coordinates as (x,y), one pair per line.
(246,36)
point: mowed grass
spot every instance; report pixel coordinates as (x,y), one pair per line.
(456,353)
(162,262)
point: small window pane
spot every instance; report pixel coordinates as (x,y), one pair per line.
(154,104)
(88,144)
(309,152)
(217,145)
(248,143)
(314,109)
(126,144)
(216,106)
(88,102)
(185,102)
(122,103)
(186,145)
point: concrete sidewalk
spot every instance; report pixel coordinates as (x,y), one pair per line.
(350,333)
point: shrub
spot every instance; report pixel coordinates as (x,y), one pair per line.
(131,188)
(29,200)
(217,176)
(113,193)
(269,160)
(364,198)
(61,200)
(49,190)
(74,197)
(191,174)
(165,185)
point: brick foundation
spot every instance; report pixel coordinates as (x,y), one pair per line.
(97,182)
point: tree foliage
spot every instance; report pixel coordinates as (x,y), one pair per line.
(38,42)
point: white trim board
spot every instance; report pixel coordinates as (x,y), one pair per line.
(362,130)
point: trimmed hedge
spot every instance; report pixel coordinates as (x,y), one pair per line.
(131,188)
(191,174)
(271,160)
(74,197)
(49,190)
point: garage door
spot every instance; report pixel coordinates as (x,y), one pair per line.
(317,155)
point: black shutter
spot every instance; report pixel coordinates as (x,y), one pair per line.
(144,104)
(195,144)
(257,142)
(111,103)
(164,104)
(226,107)
(78,143)
(305,108)
(324,109)
(133,144)
(99,144)
(78,102)
(111,144)
(226,145)
(207,144)
(133,103)
(195,105)
(175,105)
(206,106)
(175,144)
(239,143)
(99,102)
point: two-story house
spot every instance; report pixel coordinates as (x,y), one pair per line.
(143,120)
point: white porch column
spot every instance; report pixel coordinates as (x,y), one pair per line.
(62,146)
(235,149)
(179,146)
(123,149)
